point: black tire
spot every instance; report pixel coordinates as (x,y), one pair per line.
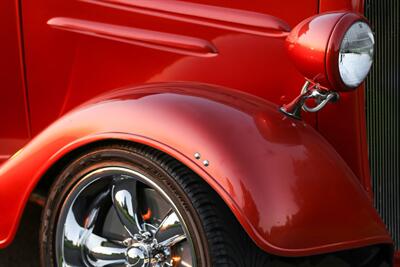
(218,239)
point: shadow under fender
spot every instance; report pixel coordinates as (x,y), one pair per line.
(290,190)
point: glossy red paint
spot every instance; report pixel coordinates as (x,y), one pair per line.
(75,50)
(307,45)
(351,5)
(314,46)
(151,39)
(14,119)
(72,67)
(266,180)
(237,20)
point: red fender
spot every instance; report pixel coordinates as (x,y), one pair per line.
(291,191)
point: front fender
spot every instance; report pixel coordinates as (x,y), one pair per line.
(290,190)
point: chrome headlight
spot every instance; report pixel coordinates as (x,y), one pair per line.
(333,49)
(356,54)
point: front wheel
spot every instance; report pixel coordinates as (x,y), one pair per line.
(133,206)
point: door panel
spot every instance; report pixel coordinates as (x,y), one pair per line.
(76,50)
(14,131)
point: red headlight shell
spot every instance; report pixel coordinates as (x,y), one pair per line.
(314,47)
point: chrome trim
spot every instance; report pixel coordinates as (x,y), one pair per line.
(309,91)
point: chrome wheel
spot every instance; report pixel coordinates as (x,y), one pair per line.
(118,217)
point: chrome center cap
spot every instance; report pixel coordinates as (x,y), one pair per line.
(137,255)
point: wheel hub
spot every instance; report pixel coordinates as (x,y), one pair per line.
(144,250)
(138,255)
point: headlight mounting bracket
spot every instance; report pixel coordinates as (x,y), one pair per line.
(310,92)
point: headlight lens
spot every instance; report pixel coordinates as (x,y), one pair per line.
(356,54)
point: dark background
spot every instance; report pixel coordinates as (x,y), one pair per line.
(24,251)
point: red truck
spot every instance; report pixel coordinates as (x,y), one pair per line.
(202,132)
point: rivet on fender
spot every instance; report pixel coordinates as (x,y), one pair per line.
(197,155)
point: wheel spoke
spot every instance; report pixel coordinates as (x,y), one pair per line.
(99,250)
(170,242)
(125,200)
(102,252)
(170,231)
(94,209)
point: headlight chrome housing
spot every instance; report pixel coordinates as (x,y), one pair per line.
(334,50)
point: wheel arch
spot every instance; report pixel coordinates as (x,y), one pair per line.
(258,162)
(66,156)
(70,153)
